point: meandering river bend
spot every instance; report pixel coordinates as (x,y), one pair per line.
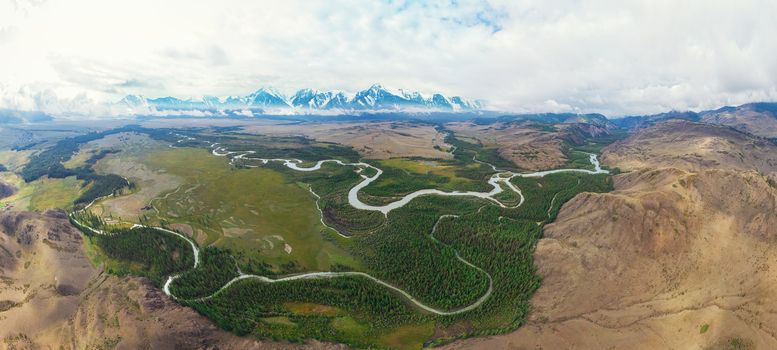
(499,179)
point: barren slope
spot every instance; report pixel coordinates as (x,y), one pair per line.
(681,256)
(527,147)
(756,118)
(6,190)
(372,140)
(693,146)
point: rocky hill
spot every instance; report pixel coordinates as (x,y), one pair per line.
(6,190)
(756,118)
(692,146)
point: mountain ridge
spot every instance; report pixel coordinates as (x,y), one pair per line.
(374,98)
(757,118)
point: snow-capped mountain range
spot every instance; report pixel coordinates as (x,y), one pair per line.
(269,100)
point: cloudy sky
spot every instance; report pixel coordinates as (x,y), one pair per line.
(615,57)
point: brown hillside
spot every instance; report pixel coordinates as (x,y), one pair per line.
(682,255)
(528,148)
(692,146)
(749,117)
(6,190)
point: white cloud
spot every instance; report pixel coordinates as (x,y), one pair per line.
(244,113)
(615,57)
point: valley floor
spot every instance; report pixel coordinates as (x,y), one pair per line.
(674,251)
(211,288)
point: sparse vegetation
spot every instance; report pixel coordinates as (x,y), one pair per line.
(735,343)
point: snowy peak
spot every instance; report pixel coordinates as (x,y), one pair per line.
(170,102)
(211,101)
(462,104)
(413,96)
(377,97)
(440,101)
(312,99)
(338,101)
(267,99)
(134,101)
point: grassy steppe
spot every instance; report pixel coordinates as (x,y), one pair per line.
(43,193)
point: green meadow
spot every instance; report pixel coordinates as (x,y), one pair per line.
(269,221)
